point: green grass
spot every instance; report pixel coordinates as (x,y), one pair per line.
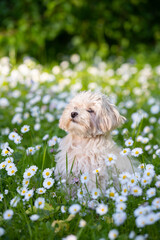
(138,87)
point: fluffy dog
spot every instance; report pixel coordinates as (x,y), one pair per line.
(89,119)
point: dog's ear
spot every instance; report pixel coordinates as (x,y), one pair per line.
(109,118)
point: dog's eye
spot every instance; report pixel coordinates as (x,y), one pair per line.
(90,110)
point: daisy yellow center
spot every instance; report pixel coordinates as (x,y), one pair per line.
(30,150)
(152,192)
(111,194)
(12,171)
(97,171)
(110,159)
(47,173)
(29,195)
(129,142)
(85,177)
(95,193)
(10,167)
(142,166)
(26,182)
(151,219)
(145,181)
(40,203)
(124,151)
(75,209)
(125,190)
(6,151)
(33,169)
(9,214)
(81,193)
(41,190)
(9,161)
(114,235)
(132,181)
(102,209)
(48,183)
(23,191)
(3,165)
(136,152)
(121,200)
(121,208)
(25,129)
(13,136)
(124,176)
(29,174)
(148,174)
(135,190)
(140,212)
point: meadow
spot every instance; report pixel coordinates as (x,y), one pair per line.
(33,204)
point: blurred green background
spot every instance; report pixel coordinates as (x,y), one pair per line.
(49,29)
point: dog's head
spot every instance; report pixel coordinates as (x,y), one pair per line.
(90,114)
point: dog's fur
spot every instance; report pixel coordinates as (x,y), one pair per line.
(89,139)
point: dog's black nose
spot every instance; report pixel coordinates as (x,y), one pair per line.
(74,114)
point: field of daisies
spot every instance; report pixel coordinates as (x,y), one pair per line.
(33,204)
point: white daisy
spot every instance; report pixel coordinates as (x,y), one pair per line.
(8,214)
(136,191)
(1,197)
(40,190)
(12,171)
(30,151)
(34,217)
(151,192)
(2,231)
(110,159)
(111,193)
(97,171)
(101,209)
(157,184)
(75,208)
(63,209)
(120,207)
(17,140)
(29,194)
(151,218)
(25,182)
(23,191)
(129,142)
(3,165)
(124,177)
(82,223)
(156,203)
(12,135)
(47,173)
(95,193)
(39,203)
(125,151)
(136,152)
(84,178)
(14,201)
(25,128)
(7,151)
(119,218)
(81,193)
(141,221)
(48,183)
(10,166)
(28,173)
(9,160)
(113,234)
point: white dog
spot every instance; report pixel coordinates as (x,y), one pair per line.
(89,119)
